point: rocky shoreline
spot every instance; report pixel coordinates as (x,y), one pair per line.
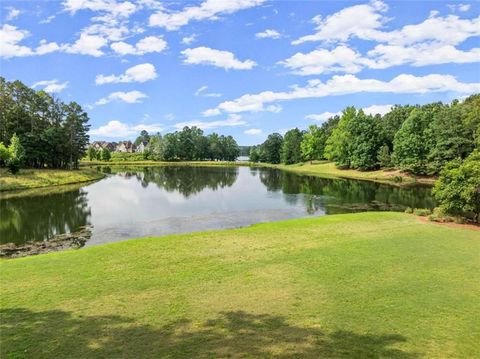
(59,242)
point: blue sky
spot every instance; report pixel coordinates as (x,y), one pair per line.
(241,67)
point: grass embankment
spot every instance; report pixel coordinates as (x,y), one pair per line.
(376,285)
(35,178)
(328,169)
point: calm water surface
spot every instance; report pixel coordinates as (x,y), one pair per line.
(154,201)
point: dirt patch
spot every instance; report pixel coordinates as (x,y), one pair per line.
(475,227)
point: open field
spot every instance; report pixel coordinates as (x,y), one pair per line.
(373,285)
(34,178)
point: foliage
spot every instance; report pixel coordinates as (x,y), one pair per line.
(4,153)
(291,152)
(106,155)
(144,137)
(16,155)
(53,133)
(92,153)
(458,188)
(383,157)
(313,143)
(422,212)
(269,151)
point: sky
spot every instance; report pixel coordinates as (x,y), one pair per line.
(244,68)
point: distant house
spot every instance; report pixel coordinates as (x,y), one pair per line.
(111,146)
(141,147)
(125,146)
(98,145)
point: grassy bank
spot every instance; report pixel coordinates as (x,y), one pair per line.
(363,285)
(36,178)
(328,169)
(162,163)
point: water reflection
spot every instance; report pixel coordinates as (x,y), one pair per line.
(40,218)
(134,202)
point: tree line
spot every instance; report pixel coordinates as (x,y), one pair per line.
(190,144)
(433,139)
(51,133)
(416,139)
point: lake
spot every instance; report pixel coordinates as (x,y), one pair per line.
(151,201)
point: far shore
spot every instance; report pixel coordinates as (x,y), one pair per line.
(42,178)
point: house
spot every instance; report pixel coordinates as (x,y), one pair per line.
(125,146)
(98,145)
(141,147)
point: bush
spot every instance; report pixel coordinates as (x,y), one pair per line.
(458,188)
(409,210)
(439,215)
(422,212)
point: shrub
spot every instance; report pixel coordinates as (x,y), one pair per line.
(409,210)
(422,212)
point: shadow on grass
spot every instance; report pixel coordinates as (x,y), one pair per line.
(58,334)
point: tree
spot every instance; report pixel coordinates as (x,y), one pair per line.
(364,141)
(338,146)
(313,143)
(391,122)
(291,152)
(144,137)
(270,150)
(155,149)
(106,155)
(254,154)
(92,153)
(4,154)
(412,142)
(450,138)
(458,188)
(383,157)
(16,156)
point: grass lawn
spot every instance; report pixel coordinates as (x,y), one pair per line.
(328,169)
(35,178)
(370,285)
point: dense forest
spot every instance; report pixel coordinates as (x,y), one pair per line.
(40,130)
(416,139)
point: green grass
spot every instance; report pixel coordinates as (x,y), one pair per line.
(35,178)
(328,169)
(370,285)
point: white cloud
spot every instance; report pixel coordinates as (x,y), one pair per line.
(377,109)
(88,45)
(146,45)
(128,97)
(253,132)
(459,7)
(120,9)
(207,10)
(201,92)
(10,37)
(232,120)
(51,86)
(347,84)
(321,61)
(187,40)
(344,59)
(361,21)
(117,129)
(322,117)
(268,34)
(370,110)
(138,73)
(47,47)
(47,20)
(383,56)
(366,21)
(217,58)
(12,14)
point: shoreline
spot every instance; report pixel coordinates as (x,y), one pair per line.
(29,179)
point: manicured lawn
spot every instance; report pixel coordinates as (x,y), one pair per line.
(328,169)
(373,285)
(34,178)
